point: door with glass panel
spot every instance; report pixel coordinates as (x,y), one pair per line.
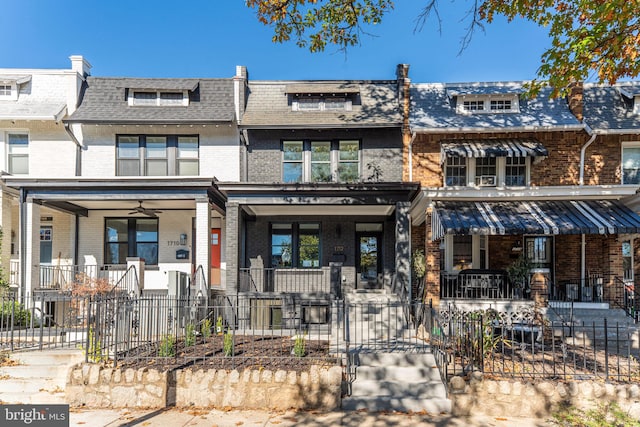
(369,256)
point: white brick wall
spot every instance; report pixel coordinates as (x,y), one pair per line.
(219,149)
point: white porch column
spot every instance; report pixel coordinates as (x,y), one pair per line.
(6,218)
(202,253)
(32,246)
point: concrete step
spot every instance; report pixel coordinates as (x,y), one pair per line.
(49,357)
(40,398)
(397,373)
(415,389)
(401,404)
(416,360)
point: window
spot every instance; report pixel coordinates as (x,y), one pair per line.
(473,105)
(131,237)
(163,155)
(295,244)
(321,161)
(157,98)
(627,261)
(456,171)
(5,90)
(462,252)
(515,171)
(631,165)
(484,104)
(18,154)
(486,171)
(322,103)
(538,251)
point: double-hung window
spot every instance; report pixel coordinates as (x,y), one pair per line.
(18,154)
(295,245)
(456,172)
(631,164)
(321,161)
(157,155)
(515,171)
(131,237)
(486,171)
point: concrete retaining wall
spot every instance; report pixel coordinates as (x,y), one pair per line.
(477,395)
(100,387)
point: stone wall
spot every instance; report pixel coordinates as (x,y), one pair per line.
(513,398)
(100,387)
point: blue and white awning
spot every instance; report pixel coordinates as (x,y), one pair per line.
(533,217)
(495,147)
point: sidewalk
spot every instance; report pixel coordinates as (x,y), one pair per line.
(232,418)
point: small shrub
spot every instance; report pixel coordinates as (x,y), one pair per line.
(605,414)
(227,346)
(167,346)
(205,328)
(21,315)
(94,352)
(299,346)
(190,335)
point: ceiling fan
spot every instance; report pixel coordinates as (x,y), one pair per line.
(145,211)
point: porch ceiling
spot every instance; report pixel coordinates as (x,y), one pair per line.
(529,217)
(279,210)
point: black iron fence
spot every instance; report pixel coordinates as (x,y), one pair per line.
(291,280)
(488,342)
(481,284)
(227,333)
(43,320)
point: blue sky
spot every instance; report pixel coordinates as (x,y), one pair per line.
(208,38)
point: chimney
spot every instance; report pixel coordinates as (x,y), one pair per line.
(240,82)
(80,65)
(404,95)
(574,99)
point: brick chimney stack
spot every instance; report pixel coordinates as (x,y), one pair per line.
(575,100)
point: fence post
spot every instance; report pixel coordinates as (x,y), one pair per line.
(115,334)
(88,302)
(606,350)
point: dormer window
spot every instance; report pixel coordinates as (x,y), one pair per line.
(10,85)
(158,98)
(321,103)
(487,104)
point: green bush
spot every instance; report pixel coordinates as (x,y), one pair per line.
(205,328)
(190,335)
(21,316)
(299,346)
(227,346)
(94,352)
(167,346)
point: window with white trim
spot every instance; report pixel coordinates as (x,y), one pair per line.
(5,90)
(321,161)
(487,104)
(486,171)
(321,103)
(157,155)
(156,98)
(631,164)
(18,153)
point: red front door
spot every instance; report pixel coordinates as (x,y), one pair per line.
(215,256)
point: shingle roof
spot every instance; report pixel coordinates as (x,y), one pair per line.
(269,105)
(433,108)
(607,109)
(104,101)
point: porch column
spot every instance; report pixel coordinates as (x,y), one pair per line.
(202,255)
(232,246)
(403,248)
(7,229)
(432,257)
(31,246)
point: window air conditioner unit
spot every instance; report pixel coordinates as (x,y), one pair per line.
(487,181)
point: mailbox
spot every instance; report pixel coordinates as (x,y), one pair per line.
(182,254)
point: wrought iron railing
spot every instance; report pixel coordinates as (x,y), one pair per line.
(65,277)
(481,284)
(286,280)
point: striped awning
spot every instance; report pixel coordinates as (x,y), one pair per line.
(521,147)
(533,217)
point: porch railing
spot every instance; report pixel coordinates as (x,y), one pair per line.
(480,284)
(292,280)
(128,282)
(65,277)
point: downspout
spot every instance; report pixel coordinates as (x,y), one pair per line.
(23,241)
(583,243)
(76,240)
(73,137)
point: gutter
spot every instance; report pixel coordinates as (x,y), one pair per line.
(73,137)
(583,150)
(501,129)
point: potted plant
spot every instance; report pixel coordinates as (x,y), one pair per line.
(518,273)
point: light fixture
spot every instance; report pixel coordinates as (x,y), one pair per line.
(517,246)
